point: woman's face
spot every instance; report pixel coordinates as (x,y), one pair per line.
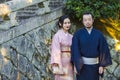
(66,24)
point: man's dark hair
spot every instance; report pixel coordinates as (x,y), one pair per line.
(87,13)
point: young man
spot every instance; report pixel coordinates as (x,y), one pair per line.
(90,47)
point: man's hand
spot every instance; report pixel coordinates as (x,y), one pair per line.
(101,70)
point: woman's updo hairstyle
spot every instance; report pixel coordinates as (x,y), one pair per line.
(61,20)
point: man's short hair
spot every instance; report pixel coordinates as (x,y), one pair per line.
(88,13)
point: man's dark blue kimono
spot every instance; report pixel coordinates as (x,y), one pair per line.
(91,46)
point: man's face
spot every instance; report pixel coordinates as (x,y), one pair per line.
(88,20)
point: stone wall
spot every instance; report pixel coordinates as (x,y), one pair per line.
(56,3)
(113,72)
(25,40)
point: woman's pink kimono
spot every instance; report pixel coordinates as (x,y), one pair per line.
(60,54)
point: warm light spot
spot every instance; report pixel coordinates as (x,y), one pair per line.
(102,20)
(116,40)
(112,27)
(47,41)
(111,32)
(18,76)
(4,52)
(4,10)
(29,1)
(117,46)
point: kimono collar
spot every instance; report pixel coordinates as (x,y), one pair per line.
(89,30)
(65,33)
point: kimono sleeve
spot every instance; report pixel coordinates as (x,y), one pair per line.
(55,51)
(105,57)
(75,52)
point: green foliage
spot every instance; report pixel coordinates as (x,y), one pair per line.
(99,8)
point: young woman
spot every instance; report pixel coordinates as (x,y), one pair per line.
(60,51)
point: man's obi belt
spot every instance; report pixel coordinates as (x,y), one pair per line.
(90,61)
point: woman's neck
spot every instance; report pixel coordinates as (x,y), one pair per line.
(65,31)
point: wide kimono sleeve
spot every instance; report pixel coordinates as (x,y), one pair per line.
(75,52)
(55,50)
(105,57)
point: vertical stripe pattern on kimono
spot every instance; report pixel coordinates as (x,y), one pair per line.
(60,54)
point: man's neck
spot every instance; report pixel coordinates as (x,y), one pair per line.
(89,28)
